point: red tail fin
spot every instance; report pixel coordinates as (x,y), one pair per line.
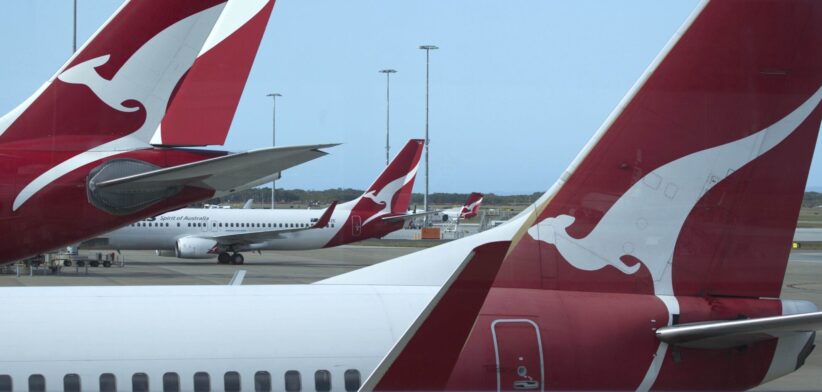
(472,205)
(204,103)
(694,184)
(391,192)
(118,84)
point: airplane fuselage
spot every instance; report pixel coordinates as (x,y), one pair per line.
(164,231)
(550,339)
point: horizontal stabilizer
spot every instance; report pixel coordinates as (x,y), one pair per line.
(224,174)
(725,334)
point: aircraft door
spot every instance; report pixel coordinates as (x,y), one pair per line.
(356,225)
(518,350)
(214,226)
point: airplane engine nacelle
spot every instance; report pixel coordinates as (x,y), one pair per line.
(195,248)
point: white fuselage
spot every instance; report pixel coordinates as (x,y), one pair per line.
(163,231)
(348,322)
(213,329)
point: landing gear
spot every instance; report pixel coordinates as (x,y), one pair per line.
(237,258)
(223,258)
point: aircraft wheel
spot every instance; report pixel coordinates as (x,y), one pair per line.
(94,263)
(237,258)
(66,263)
(223,258)
(107,264)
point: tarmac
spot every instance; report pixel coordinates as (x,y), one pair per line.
(803,280)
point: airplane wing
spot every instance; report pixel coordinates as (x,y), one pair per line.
(725,334)
(407,217)
(260,236)
(224,174)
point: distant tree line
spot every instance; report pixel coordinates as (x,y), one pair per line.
(812,199)
(309,198)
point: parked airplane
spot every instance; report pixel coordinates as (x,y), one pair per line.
(654,262)
(94,147)
(468,210)
(196,233)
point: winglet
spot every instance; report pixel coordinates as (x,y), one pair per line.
(425,355)
(326,216)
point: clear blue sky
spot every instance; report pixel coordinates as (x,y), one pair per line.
(517,87)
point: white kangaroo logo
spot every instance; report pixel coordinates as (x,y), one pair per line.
(467,209)
(113,92)
(386,194)
(645,222)
(148,76)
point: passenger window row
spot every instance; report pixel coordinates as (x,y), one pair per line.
(202,382)
(199,224)
(261,225)
(151,224)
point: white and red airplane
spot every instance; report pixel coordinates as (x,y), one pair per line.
(96,147)
(468,210)
(670,281)
(196,233)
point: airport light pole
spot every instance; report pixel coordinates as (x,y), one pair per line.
(387,73)
(273,136)
(427,49)
(74,35)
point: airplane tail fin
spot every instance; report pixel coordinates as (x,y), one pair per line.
(203,105)
(118,84)
(471,206)
(693,185)
(391,192)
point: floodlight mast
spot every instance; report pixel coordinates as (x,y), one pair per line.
(427,49)
(387,73)
(273,137)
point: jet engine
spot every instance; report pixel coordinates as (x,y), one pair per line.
(195,248)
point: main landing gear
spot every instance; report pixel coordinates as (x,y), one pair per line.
(225,258)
